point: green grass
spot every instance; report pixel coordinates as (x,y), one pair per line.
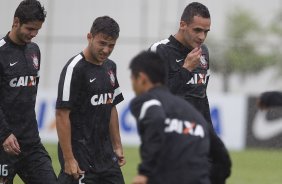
(252,166)
(256,167)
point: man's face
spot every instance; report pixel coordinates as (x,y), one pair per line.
(196,31)
(100,46)
(25,32)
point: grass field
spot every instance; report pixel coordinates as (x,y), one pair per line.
(251,166)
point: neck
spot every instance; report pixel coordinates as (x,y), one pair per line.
(12,35)
(150,86)
(179,37)
(89,58)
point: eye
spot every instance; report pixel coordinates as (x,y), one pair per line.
(112,46)
(103,43)
(198,30)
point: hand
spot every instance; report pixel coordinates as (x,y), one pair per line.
(120,156)
(193,59)
(140,179)
(72,168)
(11,145)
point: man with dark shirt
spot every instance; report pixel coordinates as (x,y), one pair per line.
(90,149)
(21,149)
(270,99)
(174,135)
(187,61)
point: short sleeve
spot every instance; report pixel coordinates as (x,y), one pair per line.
(118,96)
(69,85)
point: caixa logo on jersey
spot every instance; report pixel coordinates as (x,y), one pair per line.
(128,122)
(23,81)
(264,128)
(105,98)
(199,78)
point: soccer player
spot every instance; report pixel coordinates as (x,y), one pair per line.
(21,150)
(90,149)
(174,135)
(270,99)
(187,60)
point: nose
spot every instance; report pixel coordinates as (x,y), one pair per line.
(107,50)
(34,33)
(202,36)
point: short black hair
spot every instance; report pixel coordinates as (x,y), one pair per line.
(105,25)
(194,9)
(29,11)
(151,64)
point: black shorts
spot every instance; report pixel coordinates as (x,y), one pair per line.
(33,166)
(111,176)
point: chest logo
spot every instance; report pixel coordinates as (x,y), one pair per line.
(35,61)
(92,80)
(100,99)
(203,62)
(112,77)
(12,64)
(23,81)
(178,60)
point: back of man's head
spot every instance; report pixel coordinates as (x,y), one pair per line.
(151,64)
(29,11)
(105,25)
(194,9)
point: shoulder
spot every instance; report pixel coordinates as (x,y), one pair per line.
(110,63)
(139,105)
(32,45)
(159,44)
(73,63)
(2,43)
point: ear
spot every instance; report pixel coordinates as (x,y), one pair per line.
(16,22)
(89,36)
(182,25)
(143,78)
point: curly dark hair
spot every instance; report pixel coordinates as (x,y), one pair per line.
(194,9)
(30,10)
(105,25)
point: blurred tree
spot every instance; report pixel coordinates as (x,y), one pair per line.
(276,29)
(241,53)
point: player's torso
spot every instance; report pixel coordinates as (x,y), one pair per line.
(175,57)
(97,85)
(90,115)
(182,119)
(186,143)
(19,67)
(92,109)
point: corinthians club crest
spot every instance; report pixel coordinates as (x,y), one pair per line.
(112,77)
(35,61)
(203,62)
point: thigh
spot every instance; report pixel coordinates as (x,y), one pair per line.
(7,167)
(64,178)
(86,178)
(37,168)
(112,176)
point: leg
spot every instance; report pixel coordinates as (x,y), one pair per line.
(37,168)
(7,167)
(220,160)
(64,178)
(112,175)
